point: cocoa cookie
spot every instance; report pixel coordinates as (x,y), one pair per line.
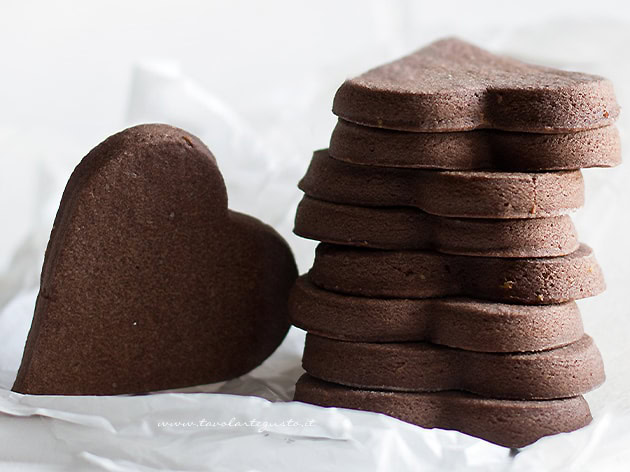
(462,323)
(479,149)
(149,281)
(509,423)
(563,372)
(452,85)
(468,194)
(399,228)
(422,274)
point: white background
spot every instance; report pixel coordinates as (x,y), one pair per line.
(73,72)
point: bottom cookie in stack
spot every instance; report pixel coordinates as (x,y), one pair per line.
(509,423)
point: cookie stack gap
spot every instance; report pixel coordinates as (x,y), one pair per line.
(443,291)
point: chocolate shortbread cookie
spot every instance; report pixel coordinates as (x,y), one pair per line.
(474,150)
(451,85)
(398,228)
(563,372)
(509,423)
(468,194)
(422,274)
(149,281)
(463,323)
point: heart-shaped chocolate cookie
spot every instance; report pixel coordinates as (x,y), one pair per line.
(451,85)
(400,228)
(563,372)
(377,273)
(149,281)
(485,418)
(459,322)
(463,194)
(486,149)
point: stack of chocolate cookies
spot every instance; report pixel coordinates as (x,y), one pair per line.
(443,291)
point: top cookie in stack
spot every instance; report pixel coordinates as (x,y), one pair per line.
(443,292)
(452,85)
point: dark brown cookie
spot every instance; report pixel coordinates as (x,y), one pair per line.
(399,228)
(468,194)
(149,281)
(451,85)
(474,150)
(509,423)
(567,371)
(462,323)
(422,274)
